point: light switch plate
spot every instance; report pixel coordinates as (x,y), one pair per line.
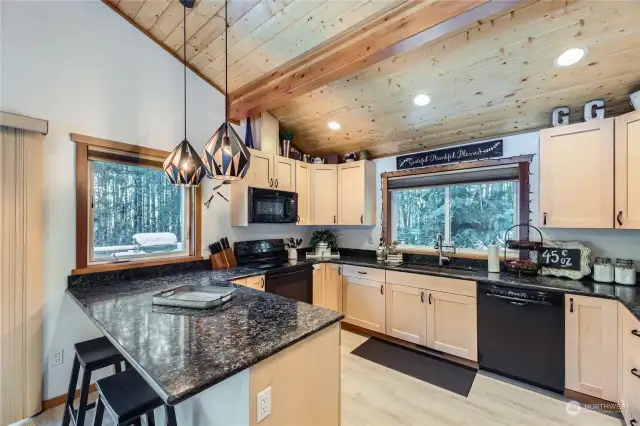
(264,404)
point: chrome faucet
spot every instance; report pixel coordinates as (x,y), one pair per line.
(439,247)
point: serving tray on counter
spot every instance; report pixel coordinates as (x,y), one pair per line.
(194,296)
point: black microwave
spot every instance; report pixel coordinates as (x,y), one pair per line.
(270,206)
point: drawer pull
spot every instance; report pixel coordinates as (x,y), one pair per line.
(634,371)
(422,296)
(430,298)
(262,282)
(362,272)
(635,333)
(382,289)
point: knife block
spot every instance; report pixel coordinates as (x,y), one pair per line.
(218,261)
(231,258)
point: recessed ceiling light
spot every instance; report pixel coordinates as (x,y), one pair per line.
(421,100)
(334,125)
(570,57)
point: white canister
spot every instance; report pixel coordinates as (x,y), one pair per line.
(625,272)
(493,258)
(603,270)
(293,254)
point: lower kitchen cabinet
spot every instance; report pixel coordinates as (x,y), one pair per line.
(629,388)
(364,303)
(327,286)
(591,346)
(406,313)
(452,324)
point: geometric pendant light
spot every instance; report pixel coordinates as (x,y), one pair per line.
(183,166)
(225,156)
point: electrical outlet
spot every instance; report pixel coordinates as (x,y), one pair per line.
(264,404)
(370,241)
(56,358)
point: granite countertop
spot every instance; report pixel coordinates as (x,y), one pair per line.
(182,352)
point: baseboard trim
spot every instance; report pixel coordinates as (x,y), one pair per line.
(592,400)
(61,399)
(365,332)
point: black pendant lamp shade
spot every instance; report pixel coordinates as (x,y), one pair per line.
(183,166)
(225,156)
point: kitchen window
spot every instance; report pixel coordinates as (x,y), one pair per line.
(128,213)
(471,205)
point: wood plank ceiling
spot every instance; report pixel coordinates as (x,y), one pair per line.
(263,34)
(497,77)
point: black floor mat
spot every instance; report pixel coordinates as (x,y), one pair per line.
(442,373)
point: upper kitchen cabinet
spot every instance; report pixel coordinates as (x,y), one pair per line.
(356,193)
(303,189)
(576,175)
(284,173)
(260,173)
(324,198)
(627,171)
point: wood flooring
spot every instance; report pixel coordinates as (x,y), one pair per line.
(373,395)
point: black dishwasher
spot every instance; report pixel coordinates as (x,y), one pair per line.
(521,335)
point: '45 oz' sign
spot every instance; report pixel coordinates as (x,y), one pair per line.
(565,259)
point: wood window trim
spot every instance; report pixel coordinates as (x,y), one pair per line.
(523,162)
(129,154)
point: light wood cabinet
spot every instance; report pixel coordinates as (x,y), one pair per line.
(629,389)
(318,285)
(452,324)
(303,189)
(364,303)
(576,175)
(260,173)
(241,281)
(284,173)
(256,282)
(591,346)
(324,197)
(327,286)
(357,193)
(333,287)
(627,171)
(406,316)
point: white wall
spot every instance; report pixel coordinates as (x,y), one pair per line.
(604,242)
(86,70)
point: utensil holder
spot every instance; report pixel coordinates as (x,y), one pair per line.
(231,258)
(218,261)
(293,254)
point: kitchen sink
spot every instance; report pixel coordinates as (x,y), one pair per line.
(436,268)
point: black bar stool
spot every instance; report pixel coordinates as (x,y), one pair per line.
(91,355)
(126,397)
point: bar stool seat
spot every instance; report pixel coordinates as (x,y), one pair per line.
(126,397)
(91,355)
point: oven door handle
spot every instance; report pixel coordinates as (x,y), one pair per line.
(516,301)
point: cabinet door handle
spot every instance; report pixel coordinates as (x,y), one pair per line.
(276,183)
(620,218)
(422,296)
(334,218)
(634,371)
(298,219)
(381,288)
(262,282)
(271,183)
(430,298)
(361,218)
(362,272)
(339,270)
(571,304)
(635,333)
(544,218)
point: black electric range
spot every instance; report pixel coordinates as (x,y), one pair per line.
(289,279)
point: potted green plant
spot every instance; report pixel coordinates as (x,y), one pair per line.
(323,240)
(285,143)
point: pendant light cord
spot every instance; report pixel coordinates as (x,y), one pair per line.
(226,67)
(184,60)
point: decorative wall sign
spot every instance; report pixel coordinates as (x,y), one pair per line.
(478,151)
(565,259)
(560,116)
(594,110)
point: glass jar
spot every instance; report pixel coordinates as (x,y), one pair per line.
(603,270)
(625,272)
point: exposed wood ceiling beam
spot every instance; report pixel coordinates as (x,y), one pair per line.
(375,42)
